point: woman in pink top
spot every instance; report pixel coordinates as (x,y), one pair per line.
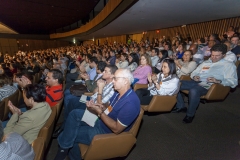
(143,70)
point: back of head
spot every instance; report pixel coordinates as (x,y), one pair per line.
(101,65)
(57,74)
(113,68)
(5,80)
(36,91)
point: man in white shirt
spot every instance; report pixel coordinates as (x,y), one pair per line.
(230,56)
(154,56)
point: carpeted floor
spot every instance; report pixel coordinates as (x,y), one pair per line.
(213,134)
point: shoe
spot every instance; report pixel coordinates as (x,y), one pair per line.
(178,110)
(57,132)
(188,119)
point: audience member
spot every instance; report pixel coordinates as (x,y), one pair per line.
(142,71)
(165,83)
(214,70)
(114,120)
(29,123)
(14,147)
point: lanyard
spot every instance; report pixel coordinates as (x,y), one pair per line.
(111,104)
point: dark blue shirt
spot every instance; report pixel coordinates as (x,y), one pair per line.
(179,55)
(125,110)
(236,50)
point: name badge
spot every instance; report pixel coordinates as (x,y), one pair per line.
(108,110)
(205,69)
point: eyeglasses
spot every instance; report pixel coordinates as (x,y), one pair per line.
(115,78)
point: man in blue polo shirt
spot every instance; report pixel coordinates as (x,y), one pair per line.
(114,117)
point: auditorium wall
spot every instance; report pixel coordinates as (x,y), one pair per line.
(195,31)
(11,46)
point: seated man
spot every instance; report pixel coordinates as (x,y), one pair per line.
(54,88)
(14,146)
(214,70)
(104,91)
(122,111)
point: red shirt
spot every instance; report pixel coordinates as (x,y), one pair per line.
(54,94)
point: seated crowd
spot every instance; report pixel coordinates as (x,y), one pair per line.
(108,73)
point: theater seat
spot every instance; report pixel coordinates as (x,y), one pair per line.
(2,107)
(38,147)
(88,94)
(216,92)
(14,99)
(47,130)
(160,104)
(106,146)
(58,106)
(138,86)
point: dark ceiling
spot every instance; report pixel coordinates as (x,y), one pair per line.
(43,16)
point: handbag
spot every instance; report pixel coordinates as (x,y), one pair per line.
(78,90)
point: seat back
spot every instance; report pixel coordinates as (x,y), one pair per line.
(38,147)
(138,86)
(162,103)
(47,130)
(217,92)
(185,77)
(14,99)
(106,146)
(2,107)
(58,107)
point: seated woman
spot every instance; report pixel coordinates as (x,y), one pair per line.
(165,83)
(141,73)
(29,123)
(6,87)
(186,65)
(163,54)
(123,61)
(133,62)
(181,50)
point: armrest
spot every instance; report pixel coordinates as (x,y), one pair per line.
(138,86)
(162,103)
(185,77)
(217,92)
(88,94)
(38,147)
(106,146)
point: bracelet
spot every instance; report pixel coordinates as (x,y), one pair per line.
(99,115)
(99,94)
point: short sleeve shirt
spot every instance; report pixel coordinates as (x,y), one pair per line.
(124,110)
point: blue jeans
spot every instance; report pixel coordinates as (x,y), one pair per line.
(77,131)
(195,92)
(68,96)
(73,104)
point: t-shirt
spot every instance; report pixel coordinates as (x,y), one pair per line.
(54,94)
(124,110)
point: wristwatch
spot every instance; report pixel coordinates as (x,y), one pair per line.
(99,115)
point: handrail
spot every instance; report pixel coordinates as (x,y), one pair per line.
(107,10)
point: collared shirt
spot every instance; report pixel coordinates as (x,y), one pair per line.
(154,60)
(124,110)
(168,85)
(92,73)
(199,56)
(221,70)
(54,94)
(107,93)
(231,57)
